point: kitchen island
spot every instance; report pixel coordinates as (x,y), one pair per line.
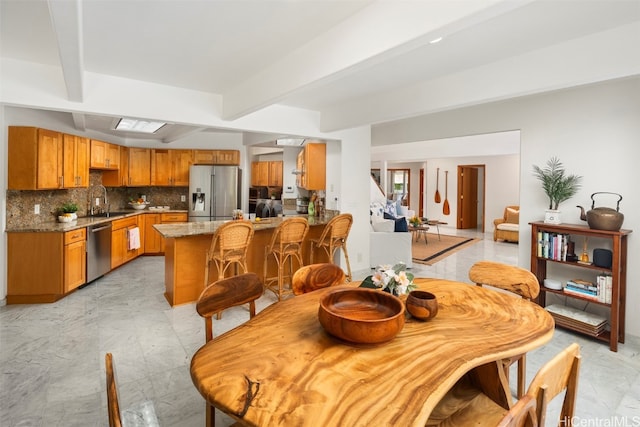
(186,246)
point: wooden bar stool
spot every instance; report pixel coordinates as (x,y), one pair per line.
(229,247)
(286,245)
(334,237)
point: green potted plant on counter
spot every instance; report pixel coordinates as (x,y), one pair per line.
(70,208)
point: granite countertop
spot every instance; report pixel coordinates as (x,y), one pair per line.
(175,230)
(88,221)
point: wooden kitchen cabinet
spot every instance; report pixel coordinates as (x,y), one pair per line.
(152,239)
(216,157)
(75,259)
(60,266)
(75,161)
(266,174)
(171,167)
(120,252)
(312,163)
(104,155)
(139,167)
(34,159)
(275,174)
(120,176)
(260,174)
(169,217)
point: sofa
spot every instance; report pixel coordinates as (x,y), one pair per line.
(388,246)
(507,228)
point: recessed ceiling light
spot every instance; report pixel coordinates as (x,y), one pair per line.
(290,142)
(135,125)
(434,41)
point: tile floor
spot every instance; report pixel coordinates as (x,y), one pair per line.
(52,355)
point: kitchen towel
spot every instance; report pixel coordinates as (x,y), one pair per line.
(134,238)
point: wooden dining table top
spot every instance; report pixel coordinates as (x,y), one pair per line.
(282,369)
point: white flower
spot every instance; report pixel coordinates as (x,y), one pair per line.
(394,280)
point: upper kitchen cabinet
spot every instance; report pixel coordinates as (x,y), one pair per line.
(35,159)
(275,174)
(75,161)
(120,176)
(104,155)
(312,164)
(266,174)
(216,157)
(139,167)
(171,167)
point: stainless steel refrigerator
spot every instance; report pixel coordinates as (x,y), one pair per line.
(214,192)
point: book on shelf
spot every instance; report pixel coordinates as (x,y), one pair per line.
(581,293)
(552,245)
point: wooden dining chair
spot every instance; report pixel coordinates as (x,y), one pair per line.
(522,414)
(223,294)
(316,276)
(466,404)
(334,237)
(113,408)
(517,281)
(227,293)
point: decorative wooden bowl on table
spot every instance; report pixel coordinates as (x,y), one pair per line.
(422,305)
(362,316)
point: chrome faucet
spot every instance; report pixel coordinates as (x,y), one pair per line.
(91,198)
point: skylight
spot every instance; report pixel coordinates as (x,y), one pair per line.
(135,125)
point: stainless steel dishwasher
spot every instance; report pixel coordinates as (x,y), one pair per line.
(98,251)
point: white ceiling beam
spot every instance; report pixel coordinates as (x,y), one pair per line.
(66,19)
(592,60)
(175,136)
(378,32)
(79,121)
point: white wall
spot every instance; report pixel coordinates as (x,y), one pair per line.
(3,208)
(592,129)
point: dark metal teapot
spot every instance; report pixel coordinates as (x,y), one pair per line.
(603,218)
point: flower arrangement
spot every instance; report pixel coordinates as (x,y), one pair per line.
(394,280)
(415,221)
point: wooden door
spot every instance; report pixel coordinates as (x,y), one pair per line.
(467,197)
(49,159)
(118,247)
(139,166)
(180,163)
(263,174)
(69,164)
(421,198)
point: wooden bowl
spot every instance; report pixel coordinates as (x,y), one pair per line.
(422,305)
(362,316)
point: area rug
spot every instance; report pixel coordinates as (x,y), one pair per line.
(436,250)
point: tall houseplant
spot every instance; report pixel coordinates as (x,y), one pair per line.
(557,185)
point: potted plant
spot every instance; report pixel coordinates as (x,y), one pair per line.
(70,208)
(557,185)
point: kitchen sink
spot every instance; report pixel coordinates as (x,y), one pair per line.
(109,214)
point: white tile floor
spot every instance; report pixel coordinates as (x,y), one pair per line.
(52,355)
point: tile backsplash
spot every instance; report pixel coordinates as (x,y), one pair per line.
(21,203)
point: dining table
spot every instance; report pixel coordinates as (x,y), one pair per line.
(281,368)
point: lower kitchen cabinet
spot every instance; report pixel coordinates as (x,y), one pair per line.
(57,266)
(120,241)
(152,239)
(75,259)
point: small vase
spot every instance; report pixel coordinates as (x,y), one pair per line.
(552,216)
